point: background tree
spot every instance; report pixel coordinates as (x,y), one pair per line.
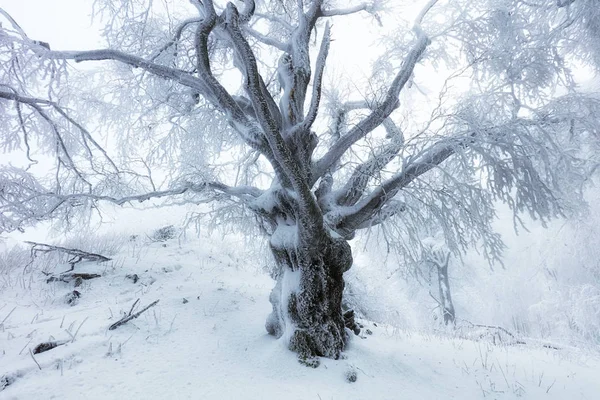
(437,258)
(215,102)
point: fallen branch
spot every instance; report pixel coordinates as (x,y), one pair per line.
(77,255)
(68,277)
(45,346)
(513,336)
(131,316)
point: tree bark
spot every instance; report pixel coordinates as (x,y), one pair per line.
(307,299)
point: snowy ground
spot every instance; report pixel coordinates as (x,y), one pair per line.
(206,340)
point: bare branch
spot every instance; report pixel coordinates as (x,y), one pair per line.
(318,81)
(354,188)
(345,11)
(86,135)
(313,217)
(176,37)
(368,207)
(267,40)
(130,316)
(80,254)
(379,113)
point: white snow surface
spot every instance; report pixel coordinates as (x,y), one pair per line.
(214,346)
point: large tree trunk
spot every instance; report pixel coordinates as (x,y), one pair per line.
(307,299)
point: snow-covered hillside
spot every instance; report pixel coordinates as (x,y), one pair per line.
(205,339)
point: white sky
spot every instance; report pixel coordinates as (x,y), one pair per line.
(65,24)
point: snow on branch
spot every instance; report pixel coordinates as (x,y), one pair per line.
(371,7)
(318,80)
(366,208)
(280,149)
(176,37)
(266,39)
(36,102)
(23,200)
(379,113)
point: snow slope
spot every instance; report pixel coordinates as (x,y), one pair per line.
(205,339)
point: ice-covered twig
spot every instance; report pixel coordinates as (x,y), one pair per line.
(34,360)
(79,255)
(130,316)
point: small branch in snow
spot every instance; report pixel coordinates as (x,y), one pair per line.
(34,360)
(513,336)
(131,316)
(6,318)
(45,346)
(68,277)
(78,255)
(77,331)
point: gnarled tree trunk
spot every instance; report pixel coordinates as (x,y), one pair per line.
(307,299)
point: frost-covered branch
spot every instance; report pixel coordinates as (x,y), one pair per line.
(23,200)
(35,102)
(318,80)
(207,85)
(266,39)
(379,113)
(182,77)
(366,208)
(176,36)
(312,217)
(354,188)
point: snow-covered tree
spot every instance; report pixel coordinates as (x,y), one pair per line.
(229,103)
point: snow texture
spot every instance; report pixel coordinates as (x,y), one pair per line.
(205,339)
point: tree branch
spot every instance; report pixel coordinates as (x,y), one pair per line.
(178,32)
(311,116)
(345,11)
(366,208)
(46,203)
(354,188)
(312,217)
(379,113)
(267,40)
(294,69)
(36,101)
(207,86)
(130,316)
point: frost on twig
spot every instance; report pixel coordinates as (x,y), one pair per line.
(131,316)
(77,255)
